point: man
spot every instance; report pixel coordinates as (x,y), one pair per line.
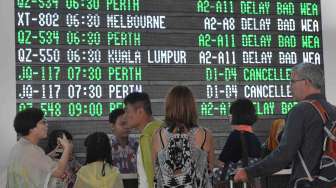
(124,147)
(139,116)
(28,165)
(303,130)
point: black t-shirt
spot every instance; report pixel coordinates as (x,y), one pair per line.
(232,151)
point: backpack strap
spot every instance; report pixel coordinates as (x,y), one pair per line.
(305,168)
(324,116)
(162,144)
(320,109)
(244,150)
(205,135)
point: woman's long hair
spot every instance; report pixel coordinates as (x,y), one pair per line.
(98,148)
(272,140)
(181,110)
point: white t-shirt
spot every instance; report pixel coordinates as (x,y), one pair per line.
(29,166)
(141,170)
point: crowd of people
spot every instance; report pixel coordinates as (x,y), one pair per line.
(176,151)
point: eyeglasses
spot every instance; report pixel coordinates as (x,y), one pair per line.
(294,81)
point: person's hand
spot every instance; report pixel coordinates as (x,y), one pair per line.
(65,142)
(241,175)
(54,152)
(220,164)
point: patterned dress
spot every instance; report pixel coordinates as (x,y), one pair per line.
(181,153)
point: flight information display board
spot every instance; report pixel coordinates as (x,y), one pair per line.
(78,59)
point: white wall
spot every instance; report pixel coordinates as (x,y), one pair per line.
(329,47)
(7,70)
(7,78)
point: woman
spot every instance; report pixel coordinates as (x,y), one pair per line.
(55,151)
(183,152)
(271,144)
(242,146)
(98,171)
(274,137)
(243,117)
(28,165)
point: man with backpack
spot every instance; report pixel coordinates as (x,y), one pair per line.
(302,142)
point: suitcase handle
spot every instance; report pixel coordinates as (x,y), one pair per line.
(231,181)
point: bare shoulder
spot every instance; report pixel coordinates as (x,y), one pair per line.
(157,134)
(159,138)
(203,135)
(203,132)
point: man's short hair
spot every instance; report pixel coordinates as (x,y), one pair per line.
(310,72)
(141,99)
(113,116)
(26,120)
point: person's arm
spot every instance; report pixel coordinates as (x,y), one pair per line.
(156,146)
(79,181)
(290,143)
(61,165)
(146,151)
(209,148)
(53,153)
(219,164)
